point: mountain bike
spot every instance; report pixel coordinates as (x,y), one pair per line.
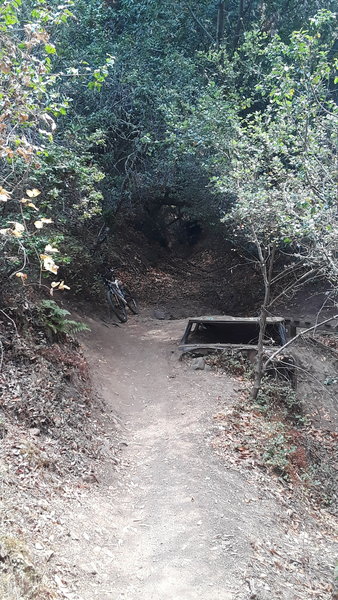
(119,298)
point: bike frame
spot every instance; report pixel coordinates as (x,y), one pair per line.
(115,288)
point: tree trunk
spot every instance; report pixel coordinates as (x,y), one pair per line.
(266,264)
(260,354)
(220,24)
(239,26)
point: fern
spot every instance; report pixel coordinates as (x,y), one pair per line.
(55,318)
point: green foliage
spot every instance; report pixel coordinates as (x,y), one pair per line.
(276,394)
(137,106)
(277,454)
(273,149)
(70,181)
(55,319)
(233,362)
(28,104)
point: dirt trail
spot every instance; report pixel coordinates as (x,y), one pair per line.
(171,522)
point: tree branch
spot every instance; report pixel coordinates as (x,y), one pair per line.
(196,19)
(274,354)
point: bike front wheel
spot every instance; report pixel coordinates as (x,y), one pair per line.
(130,301)
(117,306)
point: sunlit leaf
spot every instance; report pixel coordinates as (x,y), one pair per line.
(4,194)
(49,264)
(17,230)
(33,193)
(39,224)
(50,249)
(21,276)
(50,49)
(60,285)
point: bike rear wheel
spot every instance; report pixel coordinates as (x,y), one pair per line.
(117,306)
(131,302)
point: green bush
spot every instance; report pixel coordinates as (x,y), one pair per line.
(55,319)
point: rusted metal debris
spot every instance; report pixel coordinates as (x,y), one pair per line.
(219,332)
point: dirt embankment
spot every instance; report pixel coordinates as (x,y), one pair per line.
(207,277)
(52,439)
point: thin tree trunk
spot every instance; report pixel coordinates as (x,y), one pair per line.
(267,276)
(243,11)
(200,24)
(260,353)
(220,24)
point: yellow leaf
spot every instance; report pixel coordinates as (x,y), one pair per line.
(39,224)
(24,200)
(33,193)
(4,194)
(60,285)
(3,191)
(22,276)
(50,249)
(31,205)
(49,264)
(17,230)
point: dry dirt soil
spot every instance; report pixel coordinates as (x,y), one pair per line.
(170,519)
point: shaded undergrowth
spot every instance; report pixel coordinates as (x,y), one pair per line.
(277,433)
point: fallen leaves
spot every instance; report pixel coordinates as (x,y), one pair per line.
(15,231)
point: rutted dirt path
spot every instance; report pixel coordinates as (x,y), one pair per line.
(172,521)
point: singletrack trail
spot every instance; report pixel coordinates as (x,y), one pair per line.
(172,521)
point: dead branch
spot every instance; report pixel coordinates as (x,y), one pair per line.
(300,334)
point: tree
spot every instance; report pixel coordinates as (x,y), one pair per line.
(282,170)
(31,99)
(28,110)
(273,157)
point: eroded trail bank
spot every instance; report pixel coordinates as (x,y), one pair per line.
(172,520)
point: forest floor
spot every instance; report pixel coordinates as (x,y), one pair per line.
(172,517)
(133,476)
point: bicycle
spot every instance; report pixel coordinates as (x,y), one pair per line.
(119,298)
